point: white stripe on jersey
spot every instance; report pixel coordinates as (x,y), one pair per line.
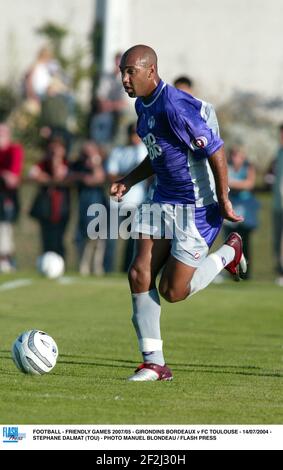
(201,173)
(157,96)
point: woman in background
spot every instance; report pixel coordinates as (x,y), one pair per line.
(51,206)
(241,180)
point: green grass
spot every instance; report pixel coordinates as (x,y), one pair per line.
(224,346)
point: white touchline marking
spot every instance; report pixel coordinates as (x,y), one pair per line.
(93,280)
(15,284)
(66,280)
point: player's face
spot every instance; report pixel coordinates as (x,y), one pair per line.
(135,77)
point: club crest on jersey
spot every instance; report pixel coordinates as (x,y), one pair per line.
(154,150)
(151,122)
(199,143)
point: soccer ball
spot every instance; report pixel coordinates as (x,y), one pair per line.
(51,265)
(35,352)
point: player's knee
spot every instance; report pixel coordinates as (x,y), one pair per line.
(139,277)
(172,295)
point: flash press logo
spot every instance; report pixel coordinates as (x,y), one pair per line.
(11,434)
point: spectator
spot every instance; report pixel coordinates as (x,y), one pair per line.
(40,74)
(11,163)
(51,206)
(109,105)
(242,177)
(269,176)
(57,113)
(184,83)
(121,161)
(277,206)
(89,175)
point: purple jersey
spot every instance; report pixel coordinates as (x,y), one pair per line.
(172,125)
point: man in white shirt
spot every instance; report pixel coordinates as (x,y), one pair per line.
(121,161)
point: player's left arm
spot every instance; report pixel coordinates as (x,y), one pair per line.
(218,164)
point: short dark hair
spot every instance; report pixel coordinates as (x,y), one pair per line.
(184,80)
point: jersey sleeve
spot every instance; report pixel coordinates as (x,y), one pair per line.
(186,122)
(211,118)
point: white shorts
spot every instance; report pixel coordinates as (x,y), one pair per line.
(192,230)
(7,245)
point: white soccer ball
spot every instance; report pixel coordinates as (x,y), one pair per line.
(35,352)
(51,265)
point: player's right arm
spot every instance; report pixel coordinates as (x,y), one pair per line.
(143,171)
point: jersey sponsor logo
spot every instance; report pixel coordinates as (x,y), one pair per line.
(199,143)
(154,150)
(151,122)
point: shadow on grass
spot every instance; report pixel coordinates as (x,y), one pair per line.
(247,370)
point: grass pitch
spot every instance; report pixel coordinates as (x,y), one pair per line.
(224,346)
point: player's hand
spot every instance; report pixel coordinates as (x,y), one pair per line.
(118,190)
(228,213)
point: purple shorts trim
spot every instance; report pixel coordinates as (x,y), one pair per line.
(208,221)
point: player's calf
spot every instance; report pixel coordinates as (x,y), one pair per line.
(173,294)
(175,281)
(139,278)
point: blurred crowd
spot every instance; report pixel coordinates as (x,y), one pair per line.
(85,165)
